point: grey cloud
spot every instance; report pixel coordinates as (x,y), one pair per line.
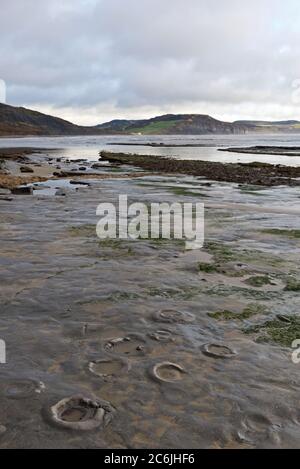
(165,55)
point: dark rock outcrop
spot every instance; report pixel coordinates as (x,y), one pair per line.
(26,169)
(26,190)
(250,173)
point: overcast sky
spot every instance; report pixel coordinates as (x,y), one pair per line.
(90,61)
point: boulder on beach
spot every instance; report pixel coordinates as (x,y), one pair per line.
(26,190)
(26,169)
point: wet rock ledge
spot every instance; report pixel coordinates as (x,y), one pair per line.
(250,173)
(264,150)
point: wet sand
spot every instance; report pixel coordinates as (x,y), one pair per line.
(141,344)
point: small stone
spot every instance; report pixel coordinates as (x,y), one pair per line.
(22,190)
(79,183)
(5,192)
(61,193)
(26,169)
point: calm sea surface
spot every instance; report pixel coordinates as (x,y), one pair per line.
(89,147)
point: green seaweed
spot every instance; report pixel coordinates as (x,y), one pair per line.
(252,188)
(174,189)
(84,231)
(252,309)
(220,251)
(115,297)
(164,241)
(258,281)
(224,253)
(247,293)
(282,232)
(122,296)
(208,268)
(277,331)
(186,293)
(221,269)
(110,243)
(292,285)
(187,192)
(257,194)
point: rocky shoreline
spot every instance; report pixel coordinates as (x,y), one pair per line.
(243,173)
(21,167)
(140,343)
(264,150)
(158,145)
(17,167)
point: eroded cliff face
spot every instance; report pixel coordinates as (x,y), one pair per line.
(182,124)
(18,121)
(21,121)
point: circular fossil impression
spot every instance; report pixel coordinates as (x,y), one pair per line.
(173,316)
(80,413)
(132,345)
(162,335)
(108,368)
(168,372)
(218,351)
(21,389)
